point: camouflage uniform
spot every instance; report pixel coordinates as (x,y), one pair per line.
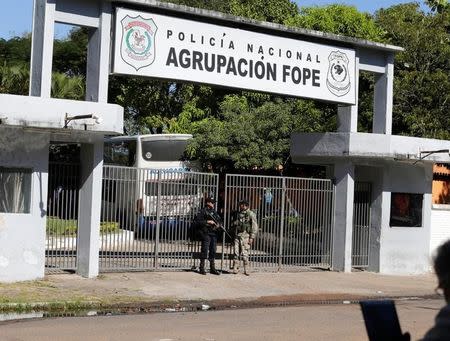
(246,228)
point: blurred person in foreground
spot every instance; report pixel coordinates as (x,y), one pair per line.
(441,264)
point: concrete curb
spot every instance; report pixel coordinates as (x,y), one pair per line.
(86,308)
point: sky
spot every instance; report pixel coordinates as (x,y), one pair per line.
(15,16)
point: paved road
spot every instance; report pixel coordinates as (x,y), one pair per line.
(321,322)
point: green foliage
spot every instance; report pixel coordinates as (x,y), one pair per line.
(422,71)
(249,136)
(338,19)
(276,11)
(216,5)
(67,87)
(70,55)
(14,79)
(15,51)
(438,5)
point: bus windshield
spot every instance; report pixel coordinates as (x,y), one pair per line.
(163,150)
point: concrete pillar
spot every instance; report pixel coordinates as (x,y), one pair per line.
(98,58)
(89,209)
(383,99)
(344,174)
(42,48)
(348,114)
(347,119)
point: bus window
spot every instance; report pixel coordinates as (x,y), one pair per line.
(121,153)
(163,150)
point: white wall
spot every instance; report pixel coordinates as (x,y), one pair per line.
(22,236)
(440,226)
(405,250)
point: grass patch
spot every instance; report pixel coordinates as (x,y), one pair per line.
(69,227)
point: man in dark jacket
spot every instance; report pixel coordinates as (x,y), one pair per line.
(207,229)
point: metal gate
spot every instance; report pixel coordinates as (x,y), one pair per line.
(146,217)
(62,215)
(295,218)
(361,225)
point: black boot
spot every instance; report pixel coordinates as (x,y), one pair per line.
(212,268)
(202,267)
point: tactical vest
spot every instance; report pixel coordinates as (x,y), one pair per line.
(245,223)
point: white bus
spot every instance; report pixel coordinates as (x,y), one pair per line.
(142,168)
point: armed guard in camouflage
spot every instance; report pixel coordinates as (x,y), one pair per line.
(245,228)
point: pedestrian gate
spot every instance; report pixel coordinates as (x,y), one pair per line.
(146,217)
(294,217)
(361,225)
(62,215)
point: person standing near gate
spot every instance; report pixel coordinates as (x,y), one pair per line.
(207,229)
(245,228)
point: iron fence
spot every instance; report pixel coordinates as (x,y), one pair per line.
(361,225)
(147,215)
(295,218)
(62,215)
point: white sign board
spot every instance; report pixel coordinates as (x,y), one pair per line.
(160,46)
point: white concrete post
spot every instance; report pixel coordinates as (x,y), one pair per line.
(383,99)
(98,58)
(348,114)
(344,174)
(89,209)
(42,48)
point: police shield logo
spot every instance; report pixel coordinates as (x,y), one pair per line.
(138,41)
(338,78)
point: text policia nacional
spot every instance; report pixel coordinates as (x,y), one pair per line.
(218,63)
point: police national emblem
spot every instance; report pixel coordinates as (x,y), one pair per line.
(138,41)
(338,78)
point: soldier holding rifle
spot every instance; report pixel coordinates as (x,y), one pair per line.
(245,228)
(207,228)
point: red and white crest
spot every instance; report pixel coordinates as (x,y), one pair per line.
(138,41)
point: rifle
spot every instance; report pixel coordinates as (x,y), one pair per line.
(217,221)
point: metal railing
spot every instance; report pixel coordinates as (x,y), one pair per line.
(147,214)
(295,218)
(62,215)
(361,225)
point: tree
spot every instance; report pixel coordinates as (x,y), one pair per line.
(348,21)
(250,136)
(338,19)
(70,54)
(276,11)
(422,71)
(438,5)
(15,51)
